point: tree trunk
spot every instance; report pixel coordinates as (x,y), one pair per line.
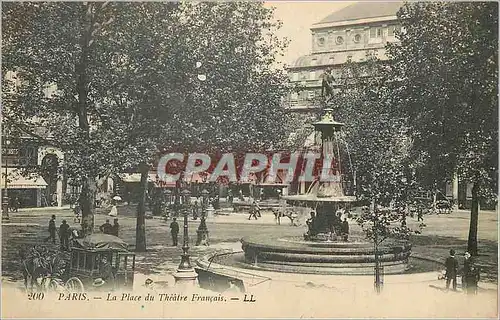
(87,196)
(474,217)
(87,205)
(140,230)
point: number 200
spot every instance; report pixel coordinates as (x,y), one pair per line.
(36,296)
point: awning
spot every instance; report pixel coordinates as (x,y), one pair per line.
(136,177)
(16,181)
(269,184)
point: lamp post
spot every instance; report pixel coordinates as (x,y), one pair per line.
(186,195)
(5,197)
(185,275)
(202,231)
(169,202)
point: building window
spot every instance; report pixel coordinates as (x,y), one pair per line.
(294,96)
(310,95)
(390,31)
(314,62)
(349,58)
(375,33)
(295,76)
(312,75)
(331,60)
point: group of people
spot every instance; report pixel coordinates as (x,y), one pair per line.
(111,229)
(470,273)
(65,233)
(337,224)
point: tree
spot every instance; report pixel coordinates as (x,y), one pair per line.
(74,80)
(127,73)
(375,142)
(446,81)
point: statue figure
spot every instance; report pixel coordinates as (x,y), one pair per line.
(311,226)
(326,85)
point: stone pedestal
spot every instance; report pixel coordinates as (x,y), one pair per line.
(203,239)
(186,278)
(210,212)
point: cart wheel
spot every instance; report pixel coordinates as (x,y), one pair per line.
(74,285)
(54,286)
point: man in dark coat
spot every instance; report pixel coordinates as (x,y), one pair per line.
(174,231)
(345,229)
(52,230)
(106,227)
(195,210)
(115,228)
(64,235)
(451,265)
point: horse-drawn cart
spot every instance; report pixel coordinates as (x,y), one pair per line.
(98,261)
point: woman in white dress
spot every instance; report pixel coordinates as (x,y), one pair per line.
(114,210)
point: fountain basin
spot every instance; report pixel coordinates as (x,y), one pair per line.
(356,257)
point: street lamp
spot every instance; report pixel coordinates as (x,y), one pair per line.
(185,275)
(169,196)
(204,196)
(186,197)
(202,231)
(5,197)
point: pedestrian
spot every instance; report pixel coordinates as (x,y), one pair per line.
(174,231)
(345,229)
(64,234)
(451,265)
(420,213)
(106,227)
(52,230)
(77,211)
(253,211)
(114,211)
(115,228)
(195,210)
(257,208)
(15,204)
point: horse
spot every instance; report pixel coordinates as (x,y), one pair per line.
(41,263)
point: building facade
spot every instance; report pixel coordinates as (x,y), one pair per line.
(350,35)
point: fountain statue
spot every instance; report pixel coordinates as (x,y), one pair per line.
(326,197)
(324,248)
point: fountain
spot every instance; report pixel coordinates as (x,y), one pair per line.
(323,249)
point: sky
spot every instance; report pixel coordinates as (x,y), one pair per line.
(297,18)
